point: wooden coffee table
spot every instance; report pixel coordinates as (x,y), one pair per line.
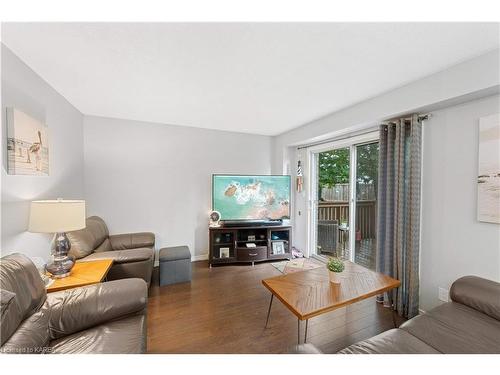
(310,293)
(83,273)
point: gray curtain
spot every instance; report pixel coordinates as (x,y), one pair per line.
(399,211)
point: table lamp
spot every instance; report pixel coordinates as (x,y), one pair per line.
(58,216)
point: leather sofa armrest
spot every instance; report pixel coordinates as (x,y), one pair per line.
(132,240)
(480,294)
(77,309)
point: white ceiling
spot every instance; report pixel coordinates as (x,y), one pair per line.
(246,77)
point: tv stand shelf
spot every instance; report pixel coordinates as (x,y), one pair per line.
(229,244)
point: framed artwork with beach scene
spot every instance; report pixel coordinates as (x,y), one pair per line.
(488,181)
(27,144)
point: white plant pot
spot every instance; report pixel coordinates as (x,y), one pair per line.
(334,277)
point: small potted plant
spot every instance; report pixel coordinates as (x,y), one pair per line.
(335,266)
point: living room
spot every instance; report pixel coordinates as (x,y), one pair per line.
(250,188)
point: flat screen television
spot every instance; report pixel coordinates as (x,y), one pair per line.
(242,197)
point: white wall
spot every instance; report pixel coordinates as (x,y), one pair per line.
(454,243)
(24,89)
(155,177)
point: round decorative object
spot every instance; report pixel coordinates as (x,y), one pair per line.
(62,263)
(214,219)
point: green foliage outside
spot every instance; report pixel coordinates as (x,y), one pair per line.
(367,169)
(334,166)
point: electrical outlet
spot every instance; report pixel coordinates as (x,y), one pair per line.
(443,294)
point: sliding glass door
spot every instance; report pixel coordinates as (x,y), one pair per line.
(344,181)
(333,195)
(365,204)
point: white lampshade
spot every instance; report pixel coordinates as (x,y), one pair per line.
(52,216)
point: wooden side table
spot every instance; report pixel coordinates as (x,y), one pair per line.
(83,273)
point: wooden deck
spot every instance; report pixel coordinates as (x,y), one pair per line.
(334,212)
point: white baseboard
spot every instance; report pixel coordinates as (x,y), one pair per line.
(196,258)
(420,311)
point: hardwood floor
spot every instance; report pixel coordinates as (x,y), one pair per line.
(223,310)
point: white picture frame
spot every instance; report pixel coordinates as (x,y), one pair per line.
(224,252)
(488,180)
(27,144)
(278,247)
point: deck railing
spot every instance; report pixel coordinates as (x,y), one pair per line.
(366,211)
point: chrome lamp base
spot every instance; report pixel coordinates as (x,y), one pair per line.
(62,263)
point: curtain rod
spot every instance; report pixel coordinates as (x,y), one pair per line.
(422,117)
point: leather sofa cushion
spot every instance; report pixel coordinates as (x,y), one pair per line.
(480,294)
(6,298)
(394,341)
(105,246)
(132,240)
(123,256)
(84,241)
(120,336)
(141,269)
(453,328)
(23,292)
(32,335)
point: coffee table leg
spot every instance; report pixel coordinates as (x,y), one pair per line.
(305,336)
(298,331)
(269,310)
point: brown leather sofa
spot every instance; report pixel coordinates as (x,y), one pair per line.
(132,253)
(103,318)
(469,324)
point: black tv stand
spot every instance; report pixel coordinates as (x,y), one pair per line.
(249,244)
(251,223)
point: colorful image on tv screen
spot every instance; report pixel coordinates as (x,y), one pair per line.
(251,197)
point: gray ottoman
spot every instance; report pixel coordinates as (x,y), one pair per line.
(175,265)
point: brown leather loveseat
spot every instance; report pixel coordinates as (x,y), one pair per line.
(132,253)
(103,318)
